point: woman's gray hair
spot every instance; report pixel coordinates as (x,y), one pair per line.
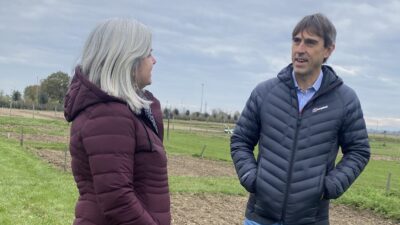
(111,55)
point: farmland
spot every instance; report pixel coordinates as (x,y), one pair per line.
(38,188)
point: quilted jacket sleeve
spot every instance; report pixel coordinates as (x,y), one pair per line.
(109,141)
(353,139)
(243,140)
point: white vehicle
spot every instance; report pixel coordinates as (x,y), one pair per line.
(228,130)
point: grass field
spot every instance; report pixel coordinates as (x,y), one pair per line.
(369,190)
(190,143)
(35,193)
(31,191)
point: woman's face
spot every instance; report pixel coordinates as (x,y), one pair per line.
(143,72)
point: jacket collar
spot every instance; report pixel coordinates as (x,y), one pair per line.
(330,78)
(81,94)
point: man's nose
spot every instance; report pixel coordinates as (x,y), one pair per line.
(301,47)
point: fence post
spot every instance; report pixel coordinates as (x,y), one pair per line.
(207,125)
(190,123)
(388,183)
(10,106)
(202,151)
(168,126)
(65,159)
(21,140)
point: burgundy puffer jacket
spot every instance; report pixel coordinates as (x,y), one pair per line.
(118,160)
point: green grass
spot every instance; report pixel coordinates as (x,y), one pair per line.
(47,145)
(391,149)
(32,192)
(33,126)
(386,138)
(385,145)
(376,174)
(190,143)
(39,127)
(224,185)
(369,190)
(374,199)
(36,193)
(198,124)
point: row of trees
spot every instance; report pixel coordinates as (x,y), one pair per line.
(216,115)
(49,94)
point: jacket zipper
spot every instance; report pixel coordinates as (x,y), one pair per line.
(291,168)
(294,148)
(298,122)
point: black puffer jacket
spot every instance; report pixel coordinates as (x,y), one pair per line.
(295,175)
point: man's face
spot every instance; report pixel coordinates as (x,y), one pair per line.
(308,53)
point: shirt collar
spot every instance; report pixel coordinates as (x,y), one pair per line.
(315,86)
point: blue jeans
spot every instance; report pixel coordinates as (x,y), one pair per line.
(250,222)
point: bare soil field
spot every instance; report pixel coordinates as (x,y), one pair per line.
(203,209)
(218,209)
(196,209)
(32,114)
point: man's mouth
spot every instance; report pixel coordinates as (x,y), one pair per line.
(300,60)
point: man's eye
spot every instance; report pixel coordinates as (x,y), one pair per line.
(296,40)
(310,42)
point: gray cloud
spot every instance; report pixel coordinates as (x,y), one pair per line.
(229,46)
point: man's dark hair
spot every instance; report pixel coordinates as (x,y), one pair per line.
(317,24)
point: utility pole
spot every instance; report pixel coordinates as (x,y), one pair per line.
(37,93)
(202,92)
(36,100)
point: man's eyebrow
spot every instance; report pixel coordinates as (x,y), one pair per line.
(309,40)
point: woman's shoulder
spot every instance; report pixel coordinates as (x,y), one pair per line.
(110,109)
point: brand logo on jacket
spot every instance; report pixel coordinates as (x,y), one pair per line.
(319,108)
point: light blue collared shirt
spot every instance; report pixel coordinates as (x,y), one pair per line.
(250,222)
(304,96)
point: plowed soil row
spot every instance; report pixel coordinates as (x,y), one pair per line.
(218,209)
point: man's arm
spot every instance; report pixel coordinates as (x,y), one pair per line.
(243,140)
(353,139)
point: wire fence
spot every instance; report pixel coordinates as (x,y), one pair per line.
(46,133)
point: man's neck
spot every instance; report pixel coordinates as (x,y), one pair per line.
(305,81)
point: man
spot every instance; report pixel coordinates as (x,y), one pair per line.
(299,119)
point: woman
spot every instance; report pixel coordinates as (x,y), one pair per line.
(118,158)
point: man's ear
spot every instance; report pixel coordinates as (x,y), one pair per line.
(329,50)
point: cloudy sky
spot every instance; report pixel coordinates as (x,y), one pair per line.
(226,46)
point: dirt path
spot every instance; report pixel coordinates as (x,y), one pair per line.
(222,209)
(196,167)
(215,209)
(30,114)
